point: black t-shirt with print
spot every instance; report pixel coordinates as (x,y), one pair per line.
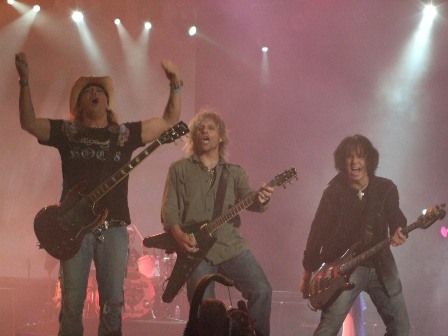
(92,155)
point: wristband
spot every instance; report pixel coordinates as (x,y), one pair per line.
(177,85)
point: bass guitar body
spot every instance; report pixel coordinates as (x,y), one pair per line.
(330,281)
(60,228)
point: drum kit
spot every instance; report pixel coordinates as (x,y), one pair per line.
(142,288)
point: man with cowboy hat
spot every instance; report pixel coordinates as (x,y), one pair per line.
(92,146)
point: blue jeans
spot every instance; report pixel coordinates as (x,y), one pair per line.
(250,280)
(110,258)
(391,309)
(357,315)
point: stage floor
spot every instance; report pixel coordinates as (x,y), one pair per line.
(26,309)
(130,327)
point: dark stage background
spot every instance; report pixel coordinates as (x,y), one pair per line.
(334,68)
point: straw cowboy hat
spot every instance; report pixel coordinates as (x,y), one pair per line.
(82,82)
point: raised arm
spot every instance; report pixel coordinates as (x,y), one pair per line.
(153,127)
(38,127)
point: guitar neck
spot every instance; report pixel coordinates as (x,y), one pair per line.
(234,210)
(119,175)
(354,262)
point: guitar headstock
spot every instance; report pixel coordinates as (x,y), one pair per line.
(174,133)
(280,179)
(431,215)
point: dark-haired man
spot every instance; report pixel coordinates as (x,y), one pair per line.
(357,206)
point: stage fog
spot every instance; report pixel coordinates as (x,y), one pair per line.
(332,69)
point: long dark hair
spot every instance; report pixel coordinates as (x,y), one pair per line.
(360,145)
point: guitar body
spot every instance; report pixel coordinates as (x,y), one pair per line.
(329,281)
(327,296)
(165,241)
(203,235)
(185,263)
(60,228)
(184,266)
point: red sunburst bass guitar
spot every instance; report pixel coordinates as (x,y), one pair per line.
(332,279)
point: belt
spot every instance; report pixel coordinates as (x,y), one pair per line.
(110,223)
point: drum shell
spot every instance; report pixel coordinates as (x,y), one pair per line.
(149,266)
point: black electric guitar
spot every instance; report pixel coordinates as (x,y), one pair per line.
(333,278)
(60,228)
(203,235)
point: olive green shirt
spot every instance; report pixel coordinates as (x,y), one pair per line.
(189,199)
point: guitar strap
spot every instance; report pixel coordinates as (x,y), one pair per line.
(185,265)
(222,186)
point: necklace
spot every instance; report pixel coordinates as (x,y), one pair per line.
(360,194)
(211,172)
(97,126)
(211,175)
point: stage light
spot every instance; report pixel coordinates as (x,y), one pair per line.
(10,2)
(148,25)
(429,14)
(430,11)
(117,21)
(77,16)
(192,31)
(264,66)
(444,232)
(36,8)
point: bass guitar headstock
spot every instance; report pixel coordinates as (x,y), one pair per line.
(431,215)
